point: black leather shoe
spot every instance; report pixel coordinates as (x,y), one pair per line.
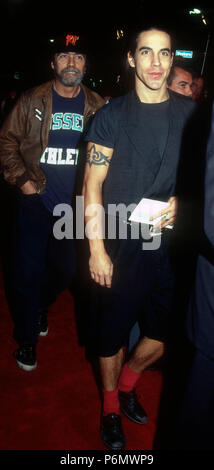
(112,432)
(131,407)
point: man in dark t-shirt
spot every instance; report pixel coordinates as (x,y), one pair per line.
(60,158)
(133,153)
(39,154)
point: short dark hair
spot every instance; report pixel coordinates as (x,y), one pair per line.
(134,36)
(181,64)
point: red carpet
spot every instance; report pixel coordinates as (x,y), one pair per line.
(57,406)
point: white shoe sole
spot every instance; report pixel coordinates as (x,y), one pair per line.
(43,333)
(26,367)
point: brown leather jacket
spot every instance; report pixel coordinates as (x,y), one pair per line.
(24,134)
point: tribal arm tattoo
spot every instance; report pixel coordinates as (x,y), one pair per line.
(96,158)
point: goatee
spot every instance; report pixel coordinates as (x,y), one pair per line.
(69,80)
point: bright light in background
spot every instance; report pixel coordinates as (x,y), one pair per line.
(120,34)
(203,19)
(195,11)
(51,40)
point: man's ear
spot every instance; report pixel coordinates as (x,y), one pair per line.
(52,65)
(131,60)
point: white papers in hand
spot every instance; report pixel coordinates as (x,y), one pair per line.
(146,209)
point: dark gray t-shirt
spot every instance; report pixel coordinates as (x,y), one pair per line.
(158,121)
(104,132)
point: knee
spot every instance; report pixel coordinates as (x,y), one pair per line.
(148,350)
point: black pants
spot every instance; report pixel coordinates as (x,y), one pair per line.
(42,266)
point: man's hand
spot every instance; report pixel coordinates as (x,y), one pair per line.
(28,188)
(101,269)
(168,214)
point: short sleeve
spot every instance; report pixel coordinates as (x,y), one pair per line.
(102,130)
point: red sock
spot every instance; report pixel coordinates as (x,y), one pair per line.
(128,379)
(111,402)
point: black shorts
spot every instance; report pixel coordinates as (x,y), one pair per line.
(142,288)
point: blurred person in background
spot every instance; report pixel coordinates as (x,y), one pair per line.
(180,78)
(199,93)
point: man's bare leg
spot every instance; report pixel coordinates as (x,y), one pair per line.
(113,373)
(110,369)
(146,353)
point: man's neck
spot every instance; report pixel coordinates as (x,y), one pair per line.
(66,91)
(151,96)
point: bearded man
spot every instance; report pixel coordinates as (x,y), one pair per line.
(40,142)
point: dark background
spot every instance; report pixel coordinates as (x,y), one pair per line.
(27,26)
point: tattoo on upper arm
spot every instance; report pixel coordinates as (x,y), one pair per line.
(96,158)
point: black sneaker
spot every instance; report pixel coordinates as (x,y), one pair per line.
(43,324)
(26,357)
